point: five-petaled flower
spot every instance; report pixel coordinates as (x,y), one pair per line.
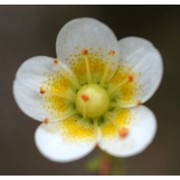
(92,93)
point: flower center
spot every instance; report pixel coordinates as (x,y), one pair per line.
(92,101)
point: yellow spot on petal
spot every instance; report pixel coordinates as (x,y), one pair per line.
(73,130)
(96,63)
(123,117)
(126,88)
(119,120)
(108,130)
(56,85)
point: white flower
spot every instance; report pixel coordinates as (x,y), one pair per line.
(91,94)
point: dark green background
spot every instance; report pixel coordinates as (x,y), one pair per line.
(27,31)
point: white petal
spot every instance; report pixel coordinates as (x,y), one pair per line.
(86,33)
(26,85)
(145,59)
(56,147)
(142,130)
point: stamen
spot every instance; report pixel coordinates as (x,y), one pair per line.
(118,104)
(88,72)
(138,102)
(84,112)
(97,131)
(111,53)
(65,116)
(109,117)
(48,92)
(41,90)
(105,74)
(56,61)
(129,78)
(85,97)
(68,75)
(123,132)
(46,121)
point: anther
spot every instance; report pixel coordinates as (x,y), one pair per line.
(41,90)
(138,102)
(123,132)
(84,51)
(85,97)
(56,61)
(111,53)
(130,77)
(46,121)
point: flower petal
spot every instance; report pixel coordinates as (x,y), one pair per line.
(145,63)
(64,142)
(26,87)
(86,33)
(132,138)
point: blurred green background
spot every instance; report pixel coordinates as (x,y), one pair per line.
(27,31)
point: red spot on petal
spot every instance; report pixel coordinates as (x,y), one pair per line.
(130,77)
(85,97)
(84,51)
(123,132)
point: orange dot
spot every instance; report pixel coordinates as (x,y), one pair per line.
(123,132)
(46,121)
(85,97)
(56,61)
(111,53)
(42,91)
(130,77)
(84,51)
(138,102)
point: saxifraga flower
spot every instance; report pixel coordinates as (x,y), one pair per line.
(91,94)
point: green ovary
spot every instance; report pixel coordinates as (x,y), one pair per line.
(92,101)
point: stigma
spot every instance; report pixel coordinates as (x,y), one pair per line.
(92,101)
(85,97)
